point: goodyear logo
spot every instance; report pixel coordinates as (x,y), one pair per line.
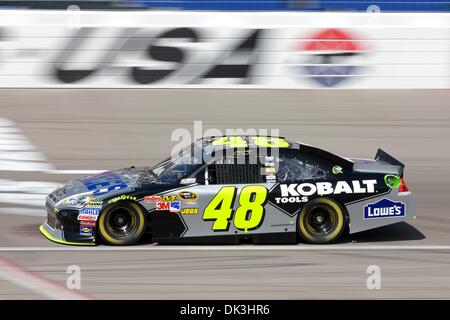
(188,196)
(122,197)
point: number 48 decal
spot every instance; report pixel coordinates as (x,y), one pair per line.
(248,216)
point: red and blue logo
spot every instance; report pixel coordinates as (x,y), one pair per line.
(328,57)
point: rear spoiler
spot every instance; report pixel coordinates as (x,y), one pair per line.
(385,157)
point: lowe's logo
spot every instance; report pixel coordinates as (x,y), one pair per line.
(384,208)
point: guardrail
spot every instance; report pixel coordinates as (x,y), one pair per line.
(211,49)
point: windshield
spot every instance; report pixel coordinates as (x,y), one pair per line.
(175,168)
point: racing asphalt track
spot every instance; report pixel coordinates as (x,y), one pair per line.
(102,129)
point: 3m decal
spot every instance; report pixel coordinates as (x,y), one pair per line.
(162,206)
(384,208)
(174,207)
(248,216)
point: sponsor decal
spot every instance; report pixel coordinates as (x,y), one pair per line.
(268,171)
(291,199)
(90,212)
(188,196)
(86,230)
(93,205)
(384,208)
(151,199)
(88,223)
(324,188)
(392,181)
(88,215)
(168,198)
(103,183)
(122,197)
(162,206)
(336,170)
(328,57)
(299,193)
(175,206)
(189,211)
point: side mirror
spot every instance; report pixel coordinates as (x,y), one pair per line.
(188,181)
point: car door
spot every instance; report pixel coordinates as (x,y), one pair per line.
(233,200)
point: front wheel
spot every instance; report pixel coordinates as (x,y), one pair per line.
(122,223)
(321,221)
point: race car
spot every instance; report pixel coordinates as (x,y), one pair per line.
(233,189)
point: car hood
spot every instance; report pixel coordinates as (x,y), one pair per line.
(102,185)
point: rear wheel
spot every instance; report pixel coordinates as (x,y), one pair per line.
(321,221)
(122,223)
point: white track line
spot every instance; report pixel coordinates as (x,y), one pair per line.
(12,272)
(155,247)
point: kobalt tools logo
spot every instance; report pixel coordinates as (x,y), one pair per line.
(384,208)
(325,188)
(330,54)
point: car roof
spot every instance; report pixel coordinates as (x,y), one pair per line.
(257,142)
(251,141)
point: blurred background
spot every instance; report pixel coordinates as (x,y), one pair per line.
(87,86)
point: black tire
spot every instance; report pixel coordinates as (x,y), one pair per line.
(322,220)
(122,223)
